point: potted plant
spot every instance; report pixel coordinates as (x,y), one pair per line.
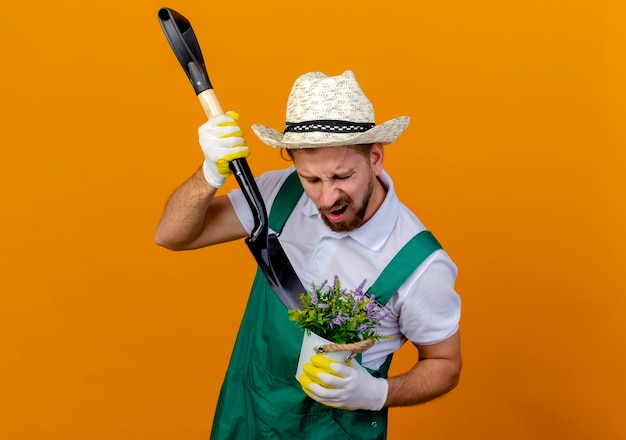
(337,321)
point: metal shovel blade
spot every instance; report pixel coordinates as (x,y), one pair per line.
(275,265)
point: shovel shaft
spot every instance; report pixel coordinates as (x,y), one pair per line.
(210,104)
(266,248)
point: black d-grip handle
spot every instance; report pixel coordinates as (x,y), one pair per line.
(185,45)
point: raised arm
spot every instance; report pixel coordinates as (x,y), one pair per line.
(194,217)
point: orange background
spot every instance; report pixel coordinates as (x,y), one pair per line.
(514,158)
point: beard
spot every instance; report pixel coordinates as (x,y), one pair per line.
(359,215)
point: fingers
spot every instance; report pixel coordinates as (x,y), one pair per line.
(222,141)
(321,371)
(312,374)
(222,164)
(338,385)
(220,127)
(327,364)
(318,391)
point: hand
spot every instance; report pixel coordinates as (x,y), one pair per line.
(221,140)
(343,386)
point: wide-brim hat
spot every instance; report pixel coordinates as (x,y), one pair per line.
(326,111)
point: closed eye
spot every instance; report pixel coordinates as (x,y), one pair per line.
(314,179)
(343,177)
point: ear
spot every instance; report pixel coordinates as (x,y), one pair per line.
(377,157)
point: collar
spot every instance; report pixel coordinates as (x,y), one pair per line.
(375,232)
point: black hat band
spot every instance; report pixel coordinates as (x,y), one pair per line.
(330,126)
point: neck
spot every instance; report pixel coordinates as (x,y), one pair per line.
(379,193)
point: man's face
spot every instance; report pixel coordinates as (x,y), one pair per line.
(342,182)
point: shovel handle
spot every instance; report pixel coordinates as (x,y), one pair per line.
(184,43)
(210,104)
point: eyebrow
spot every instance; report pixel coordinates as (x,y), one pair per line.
(341,174)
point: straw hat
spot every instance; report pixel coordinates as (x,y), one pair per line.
(326,111)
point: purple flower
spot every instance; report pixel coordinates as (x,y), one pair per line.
(339,319)
(327,304)
(336,282)
(359,290)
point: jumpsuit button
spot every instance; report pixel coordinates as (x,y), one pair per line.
(374,424)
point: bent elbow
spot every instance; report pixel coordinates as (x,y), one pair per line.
(165,242)
(454,382)
(455,376)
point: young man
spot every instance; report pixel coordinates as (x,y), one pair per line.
(349,223)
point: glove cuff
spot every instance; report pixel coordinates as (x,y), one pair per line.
(211,175)
(383,390)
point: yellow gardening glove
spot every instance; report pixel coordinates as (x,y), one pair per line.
(221,140)
(332,383)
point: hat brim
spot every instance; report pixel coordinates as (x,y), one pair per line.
(385,133)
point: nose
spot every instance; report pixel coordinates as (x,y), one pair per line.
(329,194)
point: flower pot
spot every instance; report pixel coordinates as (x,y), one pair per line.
(310,344)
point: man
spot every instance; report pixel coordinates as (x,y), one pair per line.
(349,223)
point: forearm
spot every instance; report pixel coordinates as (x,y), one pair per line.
(436,373)
(429,379)
(185,213)
(353,387)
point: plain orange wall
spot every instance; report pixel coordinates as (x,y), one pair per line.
(514,158)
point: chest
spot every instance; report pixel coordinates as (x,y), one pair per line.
(318,255)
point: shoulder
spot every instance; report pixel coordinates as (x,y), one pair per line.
(274,178)
(428,305)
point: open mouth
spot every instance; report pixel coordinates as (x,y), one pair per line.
(336,214)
